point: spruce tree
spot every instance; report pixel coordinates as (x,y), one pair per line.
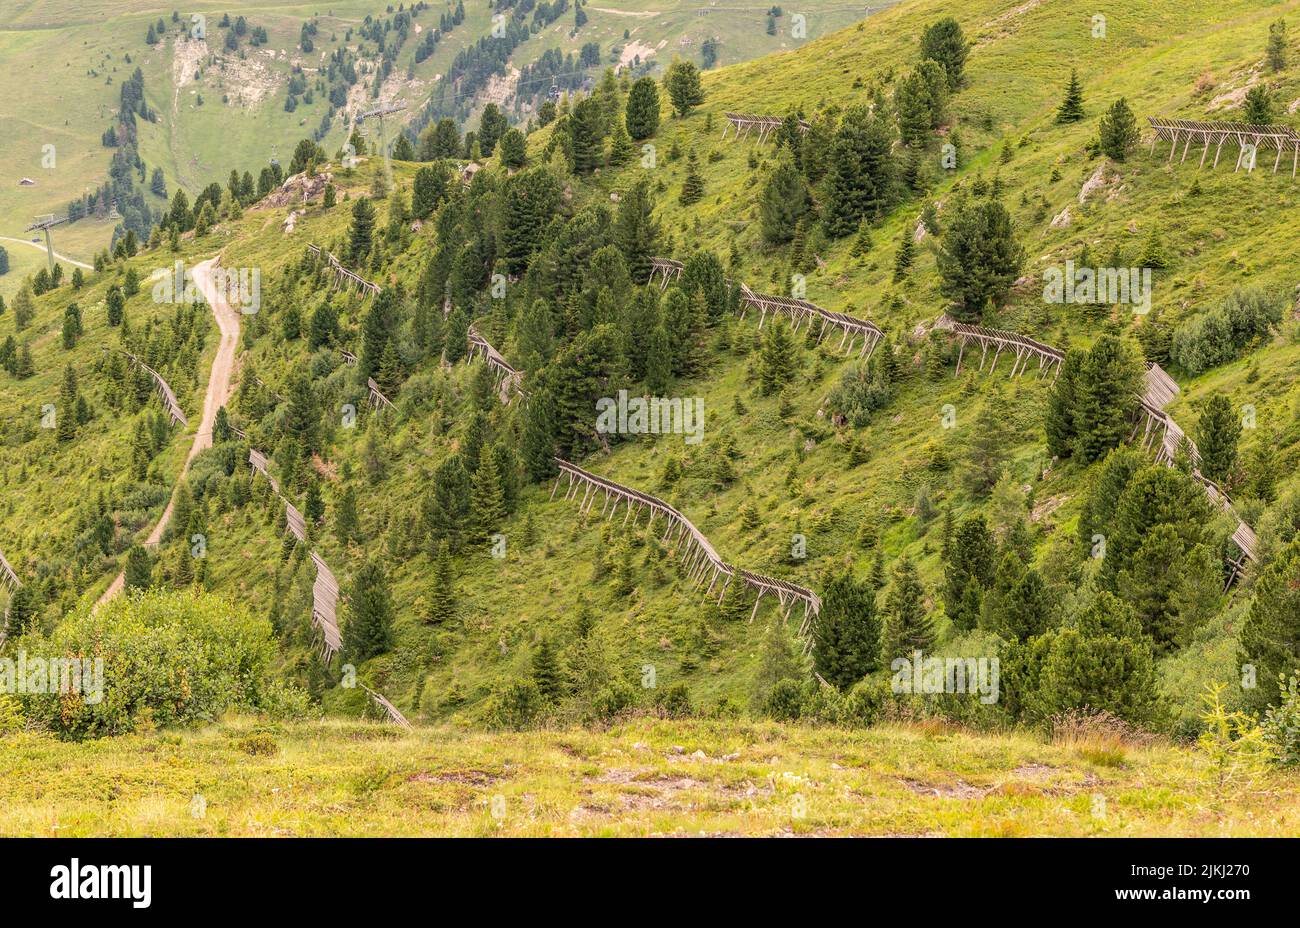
(979,259)
(642,116)
(944,42)
(1118,131)
(361,233)
(968,571)
(1270,635)
(907,626)
(369,627)
(682,81)
(693,184)
(861,171)
(442,600)
(783,202)
(1217,433)
(1106,394)
(1071,109)
(24,610)
(546,672)
(487,509)
(777,360)
(846,637)
(347,525)
(904,256)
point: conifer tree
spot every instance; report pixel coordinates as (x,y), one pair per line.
(693,184)
(116,304)
(642,116)
(861,171)
(361,233)
(546,672)
(487,510)
(24,610)
(139,568)
(777,361)
(783,202)
(442,604)
(1217,433)
(907,626)
(777,663)
(347,525)
(1118,131)
(944,42)
(682,81)
(904,256)
(369,627)
(968,571)
(846,638)
(1071,109)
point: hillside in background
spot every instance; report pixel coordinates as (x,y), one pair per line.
(216,108)
(913,504)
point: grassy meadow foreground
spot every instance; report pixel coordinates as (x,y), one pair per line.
(643,777)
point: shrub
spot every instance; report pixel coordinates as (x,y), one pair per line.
(1222,333)
(259,744)
(785,701)
(174,656)
(1282,724)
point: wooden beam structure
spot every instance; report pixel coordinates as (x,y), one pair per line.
(802,311)
(1247,137)
(377,398)
(745,123)
(324,608)
(344,277)
(509,380)
(389,709)
(666,269)
(1023,347)
(325,590)
(8,576)
(165,393)
(702,563)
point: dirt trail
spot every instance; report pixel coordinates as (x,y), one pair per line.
(218,395)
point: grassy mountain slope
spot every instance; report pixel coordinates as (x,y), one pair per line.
(1233,230)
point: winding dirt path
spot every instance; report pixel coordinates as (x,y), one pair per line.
(218,395)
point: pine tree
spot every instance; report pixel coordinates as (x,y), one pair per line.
(66,415)
(944,43)
(71,326)
(24,611)
(1270,635)
(116,303)
(1071,109)
(347,525)
(621,148)
(907,626)
(861,171)
(546,672)
(1217,433)
(361,232)
(487,510)
(846,638)
(1276,50)
(586,134)
(1118,132)
(514,149)
(904,256)
(979,259)
(968,571)
(693,184)
(1258,106)
(442,606)
(1105,395)
(369,627)
(1059,421)
(777,361)
(642,116)
(783,202)
(682,81)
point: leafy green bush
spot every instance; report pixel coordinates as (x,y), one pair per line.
(1219,335)
(177,657)
(1282,724)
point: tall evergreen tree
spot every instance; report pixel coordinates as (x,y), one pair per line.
(642,117)
(1217,433)
(1270,636)
(861,171)
(907,626)
(369,628)
(1118,131)
(944,42)
(783,202)
(979,259)
(682,81)
(846,642)
(1071,108)
(442,600)
(361,233)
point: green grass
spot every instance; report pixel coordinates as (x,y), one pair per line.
(644,777)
